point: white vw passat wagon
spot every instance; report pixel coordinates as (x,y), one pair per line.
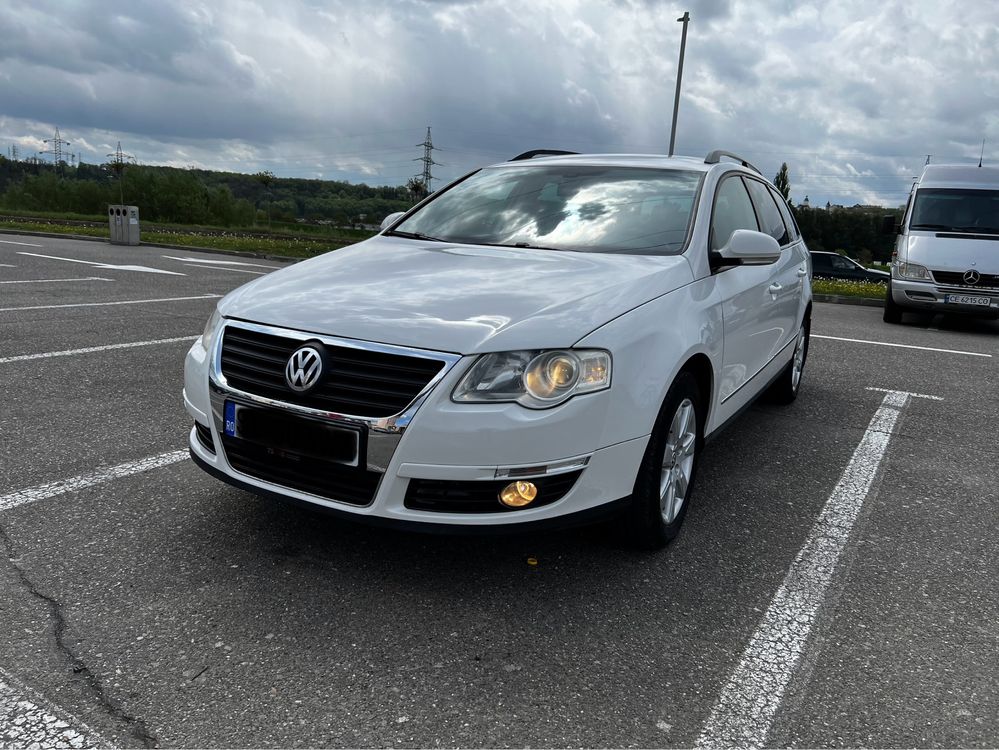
(545,340)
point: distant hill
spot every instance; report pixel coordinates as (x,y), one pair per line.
(194,196)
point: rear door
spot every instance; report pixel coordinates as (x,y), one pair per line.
(790,271)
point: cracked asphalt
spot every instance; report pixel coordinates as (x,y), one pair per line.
(166,609)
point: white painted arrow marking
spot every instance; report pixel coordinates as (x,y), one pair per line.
(109,266)
(219,262)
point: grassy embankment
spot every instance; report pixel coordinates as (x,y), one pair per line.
(844,288)
(293,240)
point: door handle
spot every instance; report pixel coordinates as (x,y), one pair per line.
(803,272)
(774,288)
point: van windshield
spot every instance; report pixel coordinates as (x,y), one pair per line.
(566,207)
(956,210)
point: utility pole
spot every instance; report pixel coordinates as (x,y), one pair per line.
(117,162)
(428,162)
(684,19)
(56,150)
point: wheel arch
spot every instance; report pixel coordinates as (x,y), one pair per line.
(699,365)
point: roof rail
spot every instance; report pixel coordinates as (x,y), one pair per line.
(542,152)
(715,156)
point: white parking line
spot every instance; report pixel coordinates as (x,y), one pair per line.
(45,491)
(901,346)
(27,722)
(744,712)
(52,281)
(105,304)
(26,244)
(225,268)
(7,265)
(89,349)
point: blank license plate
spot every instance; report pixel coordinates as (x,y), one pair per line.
(966,299)
(289,434)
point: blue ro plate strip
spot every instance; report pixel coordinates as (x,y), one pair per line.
(230,418)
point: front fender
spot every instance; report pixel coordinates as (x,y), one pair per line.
(650,344)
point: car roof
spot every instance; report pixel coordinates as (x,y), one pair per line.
(656,161)
(959,175)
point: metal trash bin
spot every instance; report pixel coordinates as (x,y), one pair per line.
(123,222)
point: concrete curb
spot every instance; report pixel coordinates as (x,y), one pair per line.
(837,299)
(194,248)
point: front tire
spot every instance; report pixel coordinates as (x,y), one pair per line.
(669,466)
(892,313)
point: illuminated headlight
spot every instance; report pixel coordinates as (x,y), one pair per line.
(535,379)
(211,328)
(912,271)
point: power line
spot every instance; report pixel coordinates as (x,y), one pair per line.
(428,162)
(56,150)
(118,160)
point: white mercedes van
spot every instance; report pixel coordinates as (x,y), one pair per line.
(947,254)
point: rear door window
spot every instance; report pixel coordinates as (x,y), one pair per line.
(771,222)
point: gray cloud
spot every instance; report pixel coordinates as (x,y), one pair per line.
(852,96)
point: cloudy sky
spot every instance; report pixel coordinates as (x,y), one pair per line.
(852,94)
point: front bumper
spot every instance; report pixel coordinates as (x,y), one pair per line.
(932,297)
(437,439)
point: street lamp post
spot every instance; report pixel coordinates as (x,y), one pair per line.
(685,19)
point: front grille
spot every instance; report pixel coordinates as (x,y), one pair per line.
(358,382)
(205,436)
(957,277)
(447,496)
(326,479)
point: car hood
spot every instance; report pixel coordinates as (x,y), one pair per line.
(954,253)
(456,298)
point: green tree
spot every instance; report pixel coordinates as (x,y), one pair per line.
(783,183)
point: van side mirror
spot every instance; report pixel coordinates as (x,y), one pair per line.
(888,224)
(390,220)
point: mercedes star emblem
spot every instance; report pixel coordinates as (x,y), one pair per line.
(972,277)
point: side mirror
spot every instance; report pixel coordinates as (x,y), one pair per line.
(751,248)
(888,224)
(390,220)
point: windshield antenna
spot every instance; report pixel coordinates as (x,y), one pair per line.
(983,154)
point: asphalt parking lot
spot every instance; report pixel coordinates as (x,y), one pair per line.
(160,607)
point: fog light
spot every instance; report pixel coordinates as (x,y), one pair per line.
(518,494)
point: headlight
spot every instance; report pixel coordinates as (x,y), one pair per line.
(912,271)
(211,327)
(535,379)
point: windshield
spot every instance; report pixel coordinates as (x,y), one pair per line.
(564,207)
(956,210)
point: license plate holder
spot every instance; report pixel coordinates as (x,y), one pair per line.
(293,435)
(967,299)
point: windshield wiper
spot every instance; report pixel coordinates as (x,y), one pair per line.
(526,245)
(413,235)
(939,227)
(977,230)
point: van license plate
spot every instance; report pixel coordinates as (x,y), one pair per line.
(966,299)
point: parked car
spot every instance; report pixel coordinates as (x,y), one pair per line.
(836,266)
(947,253)
(544,341)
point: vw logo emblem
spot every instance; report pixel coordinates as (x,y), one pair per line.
(972,277)
(304,369)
